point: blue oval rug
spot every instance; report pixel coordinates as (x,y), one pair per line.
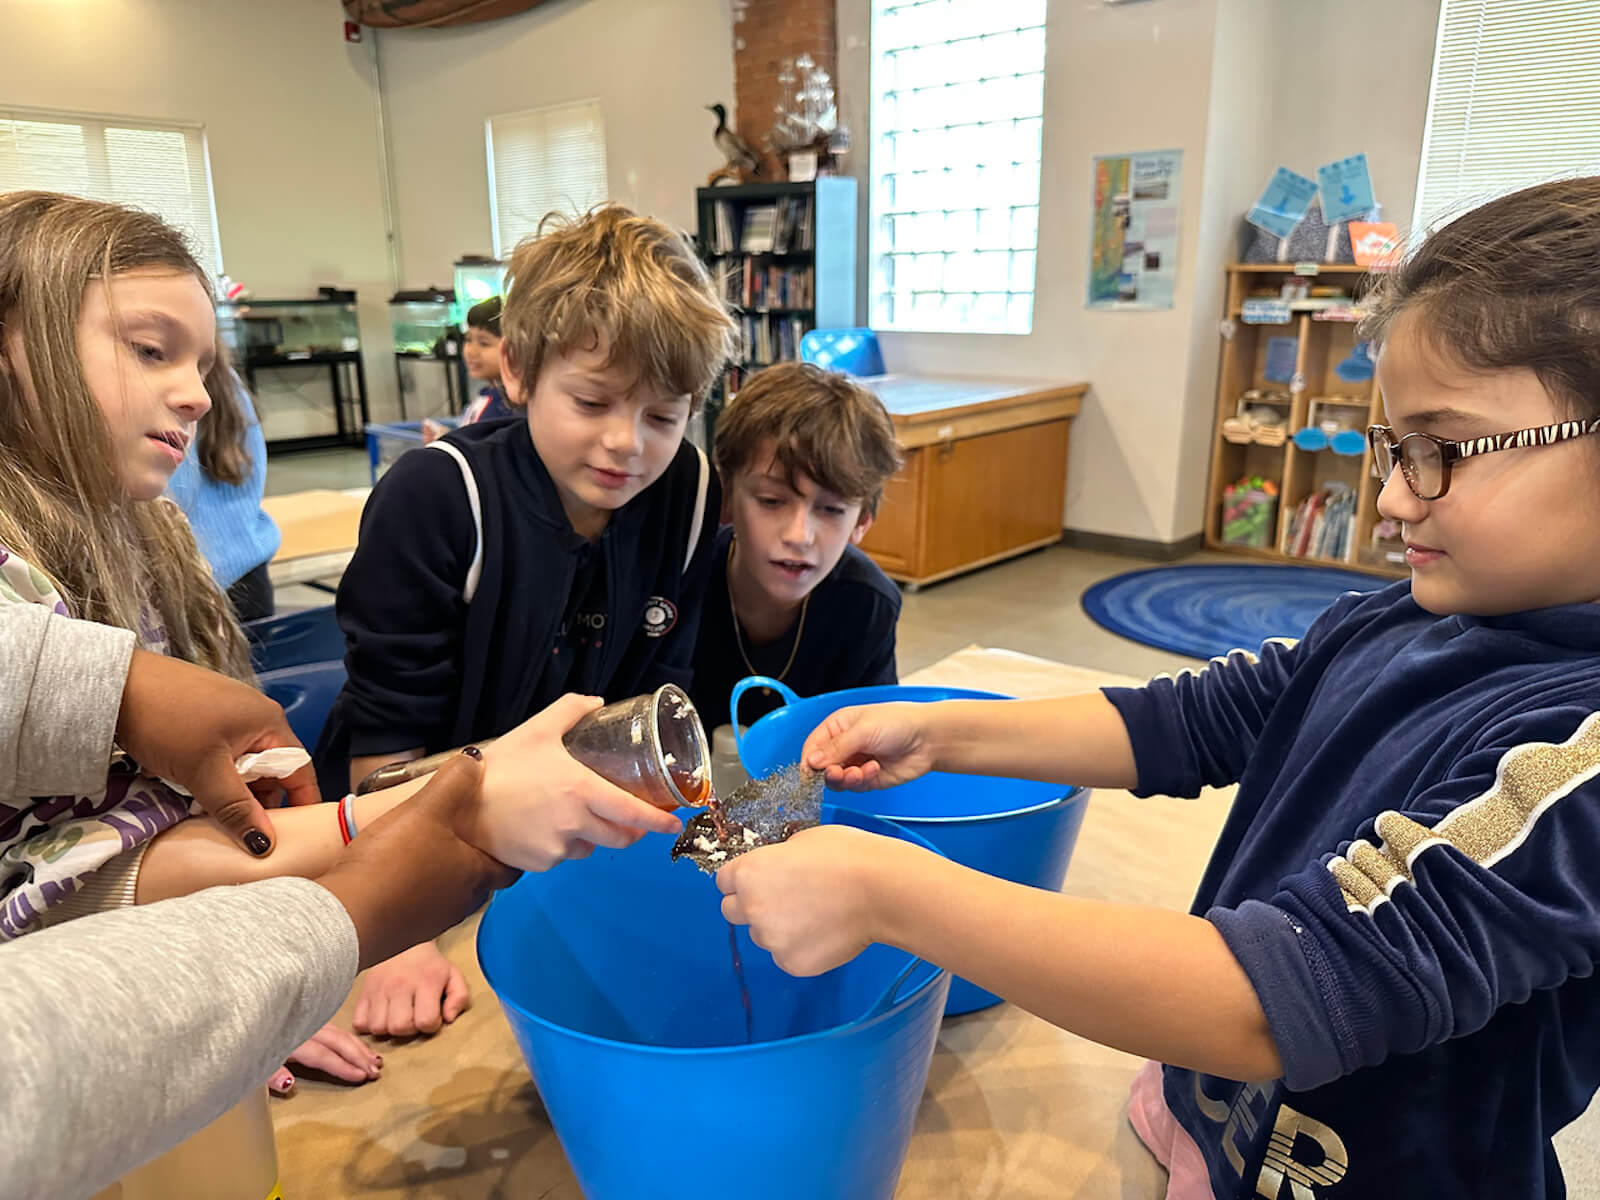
(1207,610)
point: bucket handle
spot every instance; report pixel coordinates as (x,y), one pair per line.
(891,994)
(745,685)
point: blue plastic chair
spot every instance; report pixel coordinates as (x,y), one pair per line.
(311,636)
(306,693)
(848,351)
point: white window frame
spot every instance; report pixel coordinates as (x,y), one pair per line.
(505,230)
(95,126)
(1515,89)
(965,252)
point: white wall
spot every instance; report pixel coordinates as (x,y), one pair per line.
(1376,57)
(653,66)
(289,116)
(1117,79)
(1248,82)
(1238,85)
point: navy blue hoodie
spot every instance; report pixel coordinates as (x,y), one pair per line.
(1410,876)
(427,668)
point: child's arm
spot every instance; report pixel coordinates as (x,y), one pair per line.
(1171,737)
(1475,894)
(531,826)
(58,709)
(1156,983)
(1077,740)
(75,687)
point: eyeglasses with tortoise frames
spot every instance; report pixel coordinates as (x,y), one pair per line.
(1425,460)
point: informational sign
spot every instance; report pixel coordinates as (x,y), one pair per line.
(1346,187)
(1284,203)
(1265,312)
(1133,248)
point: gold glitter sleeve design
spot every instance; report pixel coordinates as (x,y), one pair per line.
(1529,779)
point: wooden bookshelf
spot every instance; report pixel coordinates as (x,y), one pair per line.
(1320,345)
(803,278)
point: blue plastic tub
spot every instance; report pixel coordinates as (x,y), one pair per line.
(388,440)
(615,976)
(1018,829)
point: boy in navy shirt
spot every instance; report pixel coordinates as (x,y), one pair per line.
(514,561)
(803,455)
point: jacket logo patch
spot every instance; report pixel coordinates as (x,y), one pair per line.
(660,616)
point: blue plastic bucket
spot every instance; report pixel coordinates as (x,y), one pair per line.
(1018,829)
(615,976)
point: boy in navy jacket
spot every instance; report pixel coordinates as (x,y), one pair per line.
(514,561)
(803,455)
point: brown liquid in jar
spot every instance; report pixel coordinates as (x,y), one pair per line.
(695,789)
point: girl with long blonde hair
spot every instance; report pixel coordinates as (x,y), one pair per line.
(108,360)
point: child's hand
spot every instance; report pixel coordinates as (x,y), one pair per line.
(412,873)
(875,746)
(188,725)
(332,1051)
(810,901)
(539,806)
(416,991)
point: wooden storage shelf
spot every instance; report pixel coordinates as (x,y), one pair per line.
(819,220)
(1301,269)
(1320,346)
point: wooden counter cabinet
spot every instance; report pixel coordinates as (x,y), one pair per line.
(985,476)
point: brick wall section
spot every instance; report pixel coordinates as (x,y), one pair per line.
(765,33)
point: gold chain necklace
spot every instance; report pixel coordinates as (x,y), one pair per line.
(738,637)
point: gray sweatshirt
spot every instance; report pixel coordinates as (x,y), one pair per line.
(127,1031)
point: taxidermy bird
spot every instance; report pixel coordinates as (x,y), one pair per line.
(737,152)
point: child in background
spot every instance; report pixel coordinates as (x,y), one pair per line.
(482,353)
(512,562)
(803,455)
(219,486)
(108,359)
(1394,945)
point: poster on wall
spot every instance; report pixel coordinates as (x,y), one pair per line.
(1133,248)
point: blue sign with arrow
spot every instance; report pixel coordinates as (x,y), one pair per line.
(1346,187)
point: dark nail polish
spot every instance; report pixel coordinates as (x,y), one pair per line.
(256,842)
(473,752)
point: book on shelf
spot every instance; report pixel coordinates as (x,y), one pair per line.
(765,339)
(732,380)
(745,283)
(723,227)
(793,231)
(1323,524)
(760,229)
(786,226)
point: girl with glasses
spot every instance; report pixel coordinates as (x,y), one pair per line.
(1386,985)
